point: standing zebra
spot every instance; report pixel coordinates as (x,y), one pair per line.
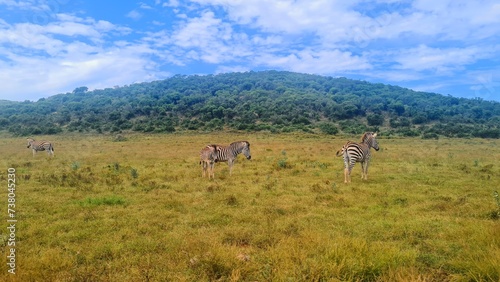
(40,146)
(229,153)
(358,152)
(207,160)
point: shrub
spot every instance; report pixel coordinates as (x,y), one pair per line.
(430,135)
(375,119)
(328,128)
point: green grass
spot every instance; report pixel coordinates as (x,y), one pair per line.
(109,201)
(139,210)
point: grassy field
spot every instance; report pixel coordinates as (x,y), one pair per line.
(139,210)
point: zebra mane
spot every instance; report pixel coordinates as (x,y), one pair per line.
(365,136)
(246,142)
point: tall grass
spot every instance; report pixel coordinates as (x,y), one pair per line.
(139,210)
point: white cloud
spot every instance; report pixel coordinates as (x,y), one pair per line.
(171,3)
(326,19)
(57,75)
(198,32)
(38,61)
(145,6)
(134,15)
(210,40)
(318,62)
(23,5)
(384,40)
(439,59)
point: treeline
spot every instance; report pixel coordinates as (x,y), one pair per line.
(273,101)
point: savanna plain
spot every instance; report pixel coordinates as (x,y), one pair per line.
(136,208)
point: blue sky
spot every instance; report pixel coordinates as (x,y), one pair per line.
(49,47)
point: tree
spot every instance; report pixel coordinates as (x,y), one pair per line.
(271,100)
(375,119)
(398,108)
(82,89)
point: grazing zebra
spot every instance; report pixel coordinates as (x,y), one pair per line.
(41,146)
(229,153)
(207,160)
(358,152)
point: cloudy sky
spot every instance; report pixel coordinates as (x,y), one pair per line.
(49,47)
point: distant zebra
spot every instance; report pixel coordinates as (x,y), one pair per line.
(229,153)
(207,160)
(358,152)
(40,146)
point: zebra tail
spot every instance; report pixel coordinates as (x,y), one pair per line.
(347,157)
(339,153)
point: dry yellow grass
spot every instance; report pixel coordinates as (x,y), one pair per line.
(139,210)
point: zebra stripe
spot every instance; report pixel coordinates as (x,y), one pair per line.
(207,160)
(40,146)
(358,152)
(229,153)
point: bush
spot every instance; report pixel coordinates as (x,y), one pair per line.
(375,119)
(328,128)
(353,127)
(488,133)
(430,135)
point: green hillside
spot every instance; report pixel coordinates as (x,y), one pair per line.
(272,101)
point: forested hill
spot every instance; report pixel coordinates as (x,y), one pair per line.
(274,101)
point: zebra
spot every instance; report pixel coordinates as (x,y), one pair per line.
(229,153)
(40,146)
(358,152)
(207,160)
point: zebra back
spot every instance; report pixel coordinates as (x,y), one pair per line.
(344,148)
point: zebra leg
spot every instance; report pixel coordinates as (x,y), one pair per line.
(348,175)
(366,169)
(363,170)
(206,171)
(230,163)
(347,166)
(212,165)
(350,166)
(203,164)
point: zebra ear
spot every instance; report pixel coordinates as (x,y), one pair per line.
(375,134)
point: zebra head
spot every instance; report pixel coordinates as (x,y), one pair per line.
(30,142)
(369,138)
(246,149)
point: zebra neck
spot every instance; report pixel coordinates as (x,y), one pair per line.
(368,143)
(236,149)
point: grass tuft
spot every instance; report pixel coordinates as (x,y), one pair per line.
(104,201)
